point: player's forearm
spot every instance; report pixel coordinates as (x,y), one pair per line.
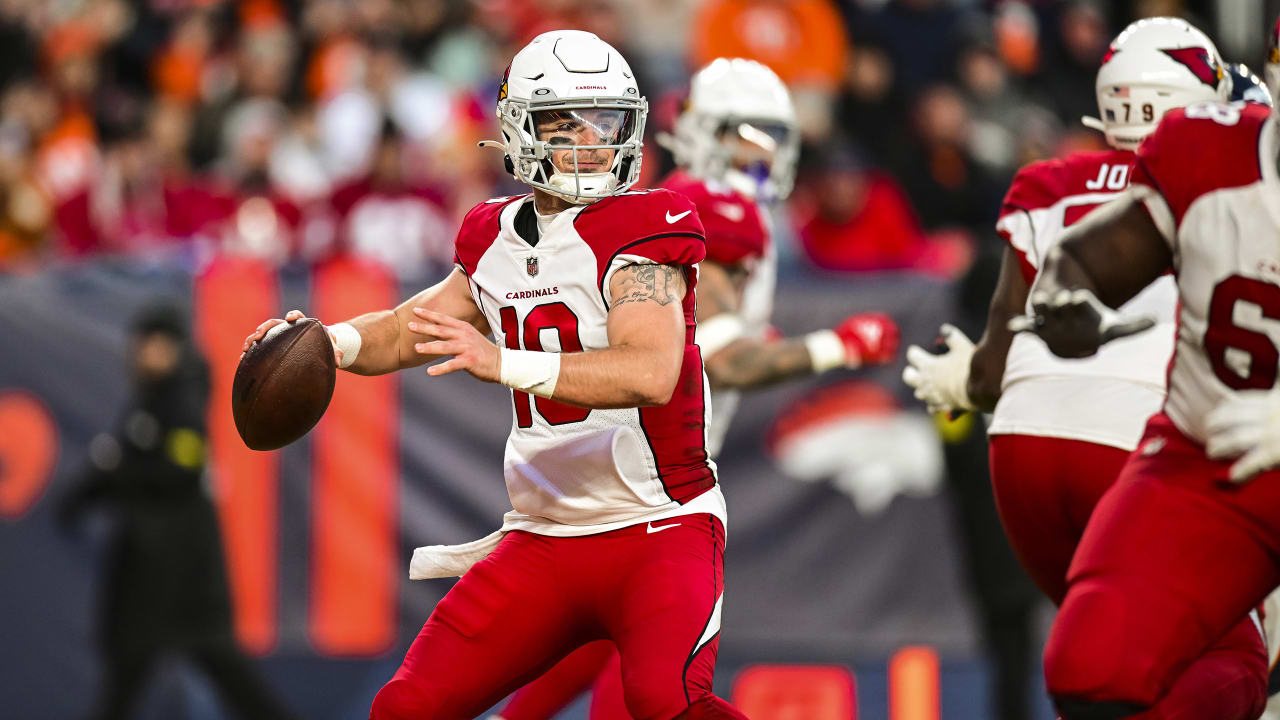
(620,376)
(753,363)
(379,343)
(986,368)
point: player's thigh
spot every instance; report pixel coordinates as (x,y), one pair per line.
(502,624)
(607,699)
(1161,574)
(667,622)
(1045,490)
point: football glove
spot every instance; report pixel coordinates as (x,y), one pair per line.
(1075,323)
(862,339)
(1246,426)
(941,381)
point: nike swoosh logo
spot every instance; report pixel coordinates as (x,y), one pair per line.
(659,528)
(671,219)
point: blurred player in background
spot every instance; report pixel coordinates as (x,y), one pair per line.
(165,589)
(735,144)
(1062,429)
(617,530)
(1185,543)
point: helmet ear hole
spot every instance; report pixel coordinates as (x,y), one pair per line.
(511,167)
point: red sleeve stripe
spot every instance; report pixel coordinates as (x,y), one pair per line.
(604,268)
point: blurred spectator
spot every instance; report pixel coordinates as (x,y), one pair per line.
(389,217)
(920,37)
(856,218)
(1001,113)
(945,183)
(803,41)
(166,582)
(1083,36)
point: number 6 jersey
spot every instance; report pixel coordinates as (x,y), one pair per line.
(1208,179)
(572,470)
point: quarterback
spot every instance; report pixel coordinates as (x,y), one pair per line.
(617,524)
(736,144)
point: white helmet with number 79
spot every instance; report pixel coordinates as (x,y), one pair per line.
(570,97)
(1153,66)
(739,128)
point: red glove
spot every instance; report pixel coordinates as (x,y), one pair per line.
(862,339)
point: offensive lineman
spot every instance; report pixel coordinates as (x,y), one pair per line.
(736,145)
(1186,542)
(1062,429)
(617,530)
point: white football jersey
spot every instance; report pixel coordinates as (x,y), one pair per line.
(1208,178)
(1105,399)
(579,471)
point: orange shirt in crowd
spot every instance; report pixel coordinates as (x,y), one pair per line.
(803,41)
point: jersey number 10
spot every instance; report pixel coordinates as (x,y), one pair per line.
(551,316)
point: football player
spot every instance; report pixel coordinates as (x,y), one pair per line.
(1062,429)
(617,526)
(1186,542)
(736,145)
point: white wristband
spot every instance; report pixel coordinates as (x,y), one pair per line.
(826,350)
(530,371)
(347,339)
(715,334)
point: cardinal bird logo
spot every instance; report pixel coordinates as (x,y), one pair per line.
(531,266)
(502,89)
(1199,62)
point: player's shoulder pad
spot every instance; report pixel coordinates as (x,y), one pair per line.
(478,230)
(1201,148)
(659,225)
(734,226)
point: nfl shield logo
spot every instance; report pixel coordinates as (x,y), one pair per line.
(531,266)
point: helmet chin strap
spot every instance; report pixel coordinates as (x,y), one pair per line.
(1093,122)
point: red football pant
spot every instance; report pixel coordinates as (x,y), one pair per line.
(1173,559)
(594,666)
(536,598)
(1045,490)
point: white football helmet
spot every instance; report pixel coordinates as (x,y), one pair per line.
(570,92)
(1271,69)
(738,106)
(1155,65)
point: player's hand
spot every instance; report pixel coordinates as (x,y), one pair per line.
(471,351)
(941,381)
(1075,323)
(1247,427)
(291,316)
(868,339)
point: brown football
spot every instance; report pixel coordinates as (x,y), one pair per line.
(283,384)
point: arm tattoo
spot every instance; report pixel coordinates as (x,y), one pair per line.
(663,284)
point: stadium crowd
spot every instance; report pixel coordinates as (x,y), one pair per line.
(296,129)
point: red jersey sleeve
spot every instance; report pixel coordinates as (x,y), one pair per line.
(734,226)
(1036,186)
(477,232)
(1194,151)
(657,226)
